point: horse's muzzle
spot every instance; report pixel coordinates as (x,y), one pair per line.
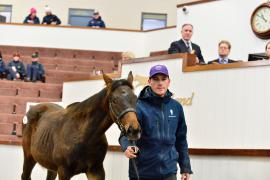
(133,134)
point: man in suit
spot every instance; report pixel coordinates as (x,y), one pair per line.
(224,48)
(185,45)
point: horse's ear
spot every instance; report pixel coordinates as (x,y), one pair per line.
(130,77)
(107,79)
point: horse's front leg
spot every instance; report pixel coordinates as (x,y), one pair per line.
(63,174)
(96,173)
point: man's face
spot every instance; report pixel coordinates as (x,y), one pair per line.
(48,13)
(223,50)
(187,32)
(34,59)
(16,58)
(268,50)
(159,84)
(96,16)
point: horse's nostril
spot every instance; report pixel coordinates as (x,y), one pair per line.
(129,131)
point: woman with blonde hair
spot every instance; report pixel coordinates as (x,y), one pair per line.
(127,55)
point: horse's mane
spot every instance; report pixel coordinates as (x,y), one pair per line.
(94,101)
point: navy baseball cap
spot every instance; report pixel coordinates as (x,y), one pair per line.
(158,69)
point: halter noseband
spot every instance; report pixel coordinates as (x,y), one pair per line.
(120,115)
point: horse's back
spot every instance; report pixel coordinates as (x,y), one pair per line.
(37,111)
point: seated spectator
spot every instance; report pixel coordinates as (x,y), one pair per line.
(127,55)
(35,70)
(96,21)
(50,18)
(16,69)
(32,17)
(224,48)
(2,67)
(184,45)
(267,50)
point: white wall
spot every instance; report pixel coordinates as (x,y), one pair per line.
(224,19)
(89,39)
(116,13)
(229,108)
(116,167)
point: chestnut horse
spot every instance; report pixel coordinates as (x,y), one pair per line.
(72,141)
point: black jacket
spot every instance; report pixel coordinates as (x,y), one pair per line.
(180,47)
(51,18)
(96,23)
(28,18)
(2,66)
(217,61)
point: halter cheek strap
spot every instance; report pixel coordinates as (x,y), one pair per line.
(120,115)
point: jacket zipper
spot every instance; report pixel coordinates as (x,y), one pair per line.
(162,122)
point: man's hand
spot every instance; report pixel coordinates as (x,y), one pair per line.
(131,152)
(185,176)
(18,75)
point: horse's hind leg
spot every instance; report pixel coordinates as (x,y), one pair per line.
(28,165)
(51,175)
(96,173)
(29,162)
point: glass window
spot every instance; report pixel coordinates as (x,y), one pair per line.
(5,13)
(153,21)
(80,17)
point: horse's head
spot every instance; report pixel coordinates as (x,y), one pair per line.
(122,105)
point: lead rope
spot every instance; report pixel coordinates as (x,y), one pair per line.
(133,161)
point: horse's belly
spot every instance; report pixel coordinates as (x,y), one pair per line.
(43,161)
(42,146)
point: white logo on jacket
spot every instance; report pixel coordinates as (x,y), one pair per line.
(171,113)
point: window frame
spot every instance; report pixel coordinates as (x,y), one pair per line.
(151,13)
(7,5)
(69,14)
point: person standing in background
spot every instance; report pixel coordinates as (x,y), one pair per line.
(184,45)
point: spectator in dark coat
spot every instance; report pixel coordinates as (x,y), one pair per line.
(16,68)
(224,48)
(184,45)
(267,50)
(96,21)
(32,17)
(50,18)
(2,67)
(35,70)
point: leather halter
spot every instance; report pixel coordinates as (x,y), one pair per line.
(119,116)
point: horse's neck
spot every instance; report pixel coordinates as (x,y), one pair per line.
(98,120)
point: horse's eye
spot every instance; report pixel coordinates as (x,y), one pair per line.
(124,93)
